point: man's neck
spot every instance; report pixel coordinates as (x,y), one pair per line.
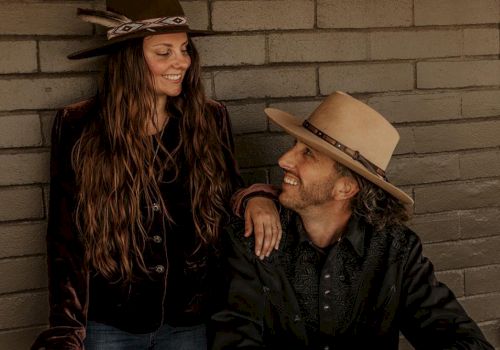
(325,226)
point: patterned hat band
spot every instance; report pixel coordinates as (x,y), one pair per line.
(147,24)
(350,152)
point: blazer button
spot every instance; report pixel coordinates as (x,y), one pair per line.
(157,239)
(160,269)
(156,207)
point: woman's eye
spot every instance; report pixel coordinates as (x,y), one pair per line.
(308,152)
(164,53)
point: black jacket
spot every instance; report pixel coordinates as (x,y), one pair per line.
(372,286)
(173,293)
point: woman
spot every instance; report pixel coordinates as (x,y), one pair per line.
(141,178)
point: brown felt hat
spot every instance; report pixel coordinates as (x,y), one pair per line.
(129,19)
(351,133)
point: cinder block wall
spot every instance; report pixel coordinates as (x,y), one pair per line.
(431,67)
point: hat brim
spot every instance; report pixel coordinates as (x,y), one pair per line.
(293,126)
(114,44)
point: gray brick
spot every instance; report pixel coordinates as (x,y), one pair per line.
(20,203)
(364,14)
(18,57)
(197,14)
(480,164)
(480,222)
(426,169)
(449,137)
(404,344)
(252,176)
(19,338)
(481,103)
(44,93)
(277,82)
(421,107)
(299,109)
(22,239)
(261,149)
(318,47)
(23,310)
(207,84)
(43,19)
(482,280)
(53,56)
(276,175)
(415,44)
(23,274)
(248,118)
(237,50)
(366,77)
(444,12)
(454,280)
(26,168)
(47,120)
(438,227)
(491,331)
(460,195)
(262,14)
(483,307)
(481,41)
(46,195)
(458,74)
(463,254)
(20,131)
(406,141)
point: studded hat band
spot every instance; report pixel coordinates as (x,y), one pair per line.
(148,24)
(350,152)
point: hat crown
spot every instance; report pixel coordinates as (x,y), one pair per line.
(147,9)
(356,126)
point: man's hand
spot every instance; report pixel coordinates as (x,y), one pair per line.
(263,220)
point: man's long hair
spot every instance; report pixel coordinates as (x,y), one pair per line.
(376,206)
(118,165)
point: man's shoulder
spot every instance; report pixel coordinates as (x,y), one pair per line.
(235,234)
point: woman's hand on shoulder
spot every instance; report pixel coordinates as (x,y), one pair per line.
(263,220)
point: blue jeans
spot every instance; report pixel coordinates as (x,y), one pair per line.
(103,337)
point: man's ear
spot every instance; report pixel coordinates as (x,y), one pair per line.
(345,188)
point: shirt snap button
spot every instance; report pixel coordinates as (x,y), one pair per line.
(327,292)
(342,278)
(160,269)
(326,307)
(156,207)
(157,239)
(327,276)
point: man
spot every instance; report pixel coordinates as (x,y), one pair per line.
(348,274)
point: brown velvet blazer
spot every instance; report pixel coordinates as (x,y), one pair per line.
(173,292)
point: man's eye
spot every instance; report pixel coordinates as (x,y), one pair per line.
(308,152)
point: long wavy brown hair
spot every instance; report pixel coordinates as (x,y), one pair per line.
(376,206)
(119,166)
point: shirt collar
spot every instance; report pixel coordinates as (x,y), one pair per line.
(355,233)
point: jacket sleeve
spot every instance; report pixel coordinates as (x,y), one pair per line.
(68,277)
(432,317)
(241,323)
